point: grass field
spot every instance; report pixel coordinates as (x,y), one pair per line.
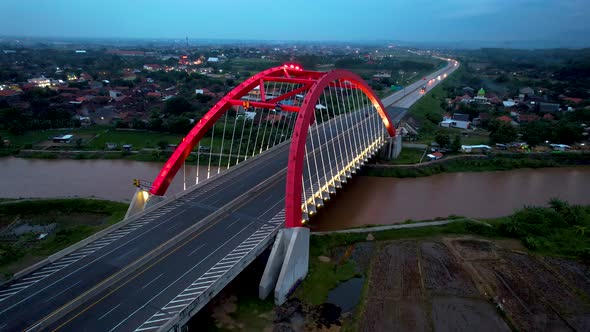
(75,220)
(408,156)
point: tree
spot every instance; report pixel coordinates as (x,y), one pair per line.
(178,105)
(442,139)
(535,133)
(163,145)
(456,144)
(501,132)
(566,132)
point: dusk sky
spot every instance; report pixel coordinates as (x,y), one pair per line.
(343,20)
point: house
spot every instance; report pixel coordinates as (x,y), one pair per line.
(559,147)
(63,138)
(548,107)
(129,77)
(525,118)
(548,116)
(435,155)
(115,94)
(475,148)
(152,67)
(460,117)
(481,97)
(527,91)
(457,121)
(10,95)
(111,146)
(508,103)
(469,90)
(504,118)
(572,100)
(213,59)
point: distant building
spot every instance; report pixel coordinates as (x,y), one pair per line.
(213,59)
(126,53)
(548,108)
(115,94)
(458,120)
(481,97)
(40,82)
(527,91)
(63,138)
(152,67)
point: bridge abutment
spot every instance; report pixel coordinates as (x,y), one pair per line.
(392,148)
(287,264)
(140,201)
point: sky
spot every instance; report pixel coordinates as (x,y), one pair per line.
(303,20)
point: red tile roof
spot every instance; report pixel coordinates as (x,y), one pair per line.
(505,118)
(573,100)
(9,93)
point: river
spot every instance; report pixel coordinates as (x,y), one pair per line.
(106,179)
(374,200)
(364,200)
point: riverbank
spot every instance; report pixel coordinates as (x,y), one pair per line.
(31,230)
(477,163)
(526,271)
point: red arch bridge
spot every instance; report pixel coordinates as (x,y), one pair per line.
(270,154)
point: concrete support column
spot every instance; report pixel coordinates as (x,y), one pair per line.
(287,264)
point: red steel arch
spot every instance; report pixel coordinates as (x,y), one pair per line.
(167,173)
(294,188)
(314,83)
(285,73)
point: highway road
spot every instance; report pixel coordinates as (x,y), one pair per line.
(146,295)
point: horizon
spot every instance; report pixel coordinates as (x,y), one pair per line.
(420,22)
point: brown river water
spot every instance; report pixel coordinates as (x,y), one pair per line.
(364,200)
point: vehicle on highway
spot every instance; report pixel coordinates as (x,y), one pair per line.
(423,89)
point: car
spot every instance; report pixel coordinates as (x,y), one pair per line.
(423,89)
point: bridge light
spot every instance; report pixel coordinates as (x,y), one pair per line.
(292,66)
(297,67)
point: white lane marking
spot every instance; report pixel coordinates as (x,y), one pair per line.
(127,253)
(175,306)
(199,288)
(108,312)
(230,225)
(162,314)
(178,224)
(146,328)
(31,278)
(7,291)
(190,294)
(156,320)
(83,267)
(156,278)
(54,296)
(177,279)
(181,300)
(201,246)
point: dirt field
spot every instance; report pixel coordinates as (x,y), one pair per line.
(444,284)
(467,284)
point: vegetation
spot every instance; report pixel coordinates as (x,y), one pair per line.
(561,229)
(499,162)
(409,156)
(75,220)
(322,277)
